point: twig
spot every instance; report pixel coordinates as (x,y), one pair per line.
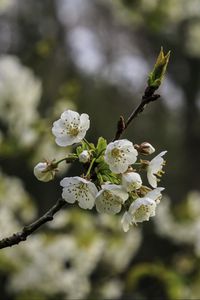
(21,236)
(148,97)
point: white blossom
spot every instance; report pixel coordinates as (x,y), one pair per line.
(70,128)
(110,199)
(131,181)
(42,172)
(119,155)
(141,209)
(80,190)
(84,157)
(154,169)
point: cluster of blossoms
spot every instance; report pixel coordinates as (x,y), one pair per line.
(111,181)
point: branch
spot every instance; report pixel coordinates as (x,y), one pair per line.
(148,97)
(21,236)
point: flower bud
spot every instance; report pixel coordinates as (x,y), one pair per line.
(44,172)
(84,157)
(156,76)
(146,148)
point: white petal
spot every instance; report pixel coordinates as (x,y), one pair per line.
(126,221)
(151,179)
(68,195)
(65,141)
(84,122)
(70,116)
(107,202)
(65,182)
(117,190)
(155,194)
(118,167)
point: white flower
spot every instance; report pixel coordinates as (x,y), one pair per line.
(70,128)
(42,172)
(110,199)
(79,189)
(119,155)
(154,168)
(141,209)
(84,157)
(131,181)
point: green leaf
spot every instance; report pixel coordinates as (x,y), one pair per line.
(101,146)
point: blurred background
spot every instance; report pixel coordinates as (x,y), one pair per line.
(94,56)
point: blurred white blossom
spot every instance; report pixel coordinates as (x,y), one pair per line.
(20,92)
(13,200)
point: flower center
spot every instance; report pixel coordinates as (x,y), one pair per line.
(107,195)
(141,212)
(73,130)
(116,152)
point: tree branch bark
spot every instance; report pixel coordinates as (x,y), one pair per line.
(148,97)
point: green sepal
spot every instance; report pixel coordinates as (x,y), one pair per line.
(79,150)
(85,146)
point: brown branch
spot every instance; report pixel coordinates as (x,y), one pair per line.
(148,97)
(21,236)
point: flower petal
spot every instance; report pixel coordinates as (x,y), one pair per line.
(126,221)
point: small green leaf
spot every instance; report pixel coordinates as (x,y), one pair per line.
(101,146)
(157,75)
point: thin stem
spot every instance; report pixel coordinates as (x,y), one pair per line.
(87,143)
(148,97)
(67,159)
(90,167)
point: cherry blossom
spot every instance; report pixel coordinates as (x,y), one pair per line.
(70,128)
(119,155)
(80,190)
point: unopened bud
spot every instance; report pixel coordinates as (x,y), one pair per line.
(146,148)
(84,157)
(44,171)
